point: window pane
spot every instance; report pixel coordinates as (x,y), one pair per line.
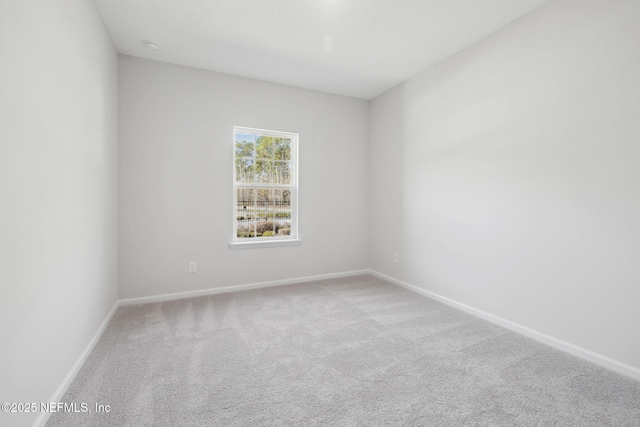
(285,229)
(265,228)
(244,149)
(267,225)
(264,217)
(282,150)
(246,212)
(262,201)
(264,171)
(264,147)
(245,137)
(245,171)
(282,212)
(282,172)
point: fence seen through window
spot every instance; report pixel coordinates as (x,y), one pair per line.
(263,212)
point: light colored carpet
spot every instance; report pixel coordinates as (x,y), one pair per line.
(353,351)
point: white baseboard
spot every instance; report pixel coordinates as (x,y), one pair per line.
(62,389)
(235,288)
(575,350)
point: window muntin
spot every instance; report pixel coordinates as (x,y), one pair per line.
(265,186)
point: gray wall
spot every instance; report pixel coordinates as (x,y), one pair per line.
(58,183)
(506,177)
(175,195)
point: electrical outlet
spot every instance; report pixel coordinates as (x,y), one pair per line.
(396,258)
(192,267)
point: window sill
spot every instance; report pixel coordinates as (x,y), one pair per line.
(264,244)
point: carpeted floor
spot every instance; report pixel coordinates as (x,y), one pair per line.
(353,351)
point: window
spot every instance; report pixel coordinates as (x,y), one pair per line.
(265,193)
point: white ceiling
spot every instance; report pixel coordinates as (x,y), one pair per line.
(357,48)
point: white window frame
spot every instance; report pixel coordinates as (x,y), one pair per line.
(261,242)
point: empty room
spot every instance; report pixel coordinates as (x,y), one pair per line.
(319,213)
